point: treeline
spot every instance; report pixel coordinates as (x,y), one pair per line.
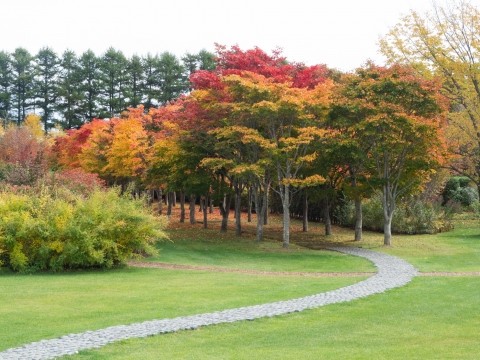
(71,89)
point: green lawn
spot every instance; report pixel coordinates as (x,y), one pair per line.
(431,318)
(209,247)
(457,250)
(34,307)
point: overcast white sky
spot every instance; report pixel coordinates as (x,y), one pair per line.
(340,33)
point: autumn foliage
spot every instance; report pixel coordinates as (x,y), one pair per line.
(260,124)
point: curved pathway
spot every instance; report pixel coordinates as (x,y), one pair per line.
(392,272)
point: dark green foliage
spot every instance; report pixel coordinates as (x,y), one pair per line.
(89,85)
(69,90)
(78,89)
(22,83)
(52,229)
(113,76)
(46,71)
(6,79)
(458,190)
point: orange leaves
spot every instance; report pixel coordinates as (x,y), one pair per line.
(126,156)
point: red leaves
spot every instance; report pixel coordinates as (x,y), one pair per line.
(203,79)
(309,77)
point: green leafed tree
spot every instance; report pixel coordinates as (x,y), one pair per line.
(46,70)
(396,116)
(6,81)
(69,91)
(113,84)
(171,79)
(135,81)
(89,65)
(22,83)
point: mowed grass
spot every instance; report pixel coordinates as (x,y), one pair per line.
(457,250)
(212,248)
(454,251)
(431,318)
(45,306)
(34,307)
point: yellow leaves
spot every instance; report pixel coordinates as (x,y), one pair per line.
(216,164)
(126,156)
(309,181)
(34,124)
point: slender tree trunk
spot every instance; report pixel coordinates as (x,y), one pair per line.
(387,230)
(192,209)
(326,215)
(249,207)
(160,203)
(267,206)
(211,206)
(225,211)
(238,208)
(182,207)
(388,209)
(174,198)
(358,219)
(169,203)
(201,204)
(305,212)
(205,212)
(260,209)
(151,196)
(286,215)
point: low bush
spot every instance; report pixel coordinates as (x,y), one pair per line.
(46,229)
(412,216)
(458,190)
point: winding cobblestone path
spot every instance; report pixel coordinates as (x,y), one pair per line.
(392,272)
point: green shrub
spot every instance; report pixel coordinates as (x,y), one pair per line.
(43,229)
(458,191)
(410,217)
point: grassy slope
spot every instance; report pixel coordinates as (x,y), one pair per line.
(430,318)
(49,305)
(414,322)
(44,306)
(209,247)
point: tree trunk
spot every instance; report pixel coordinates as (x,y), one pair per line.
(238,208)
(286,215)
(305,212)
(326,215)
(225,211)
(169,203)
(249,207)
(174,198)
(211,206)
(358,219)
(260,209)
(182,207)
(387,231)
(151,197)
(192,209)
(267,208)
(160,203)
(388,204)
(205,212)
